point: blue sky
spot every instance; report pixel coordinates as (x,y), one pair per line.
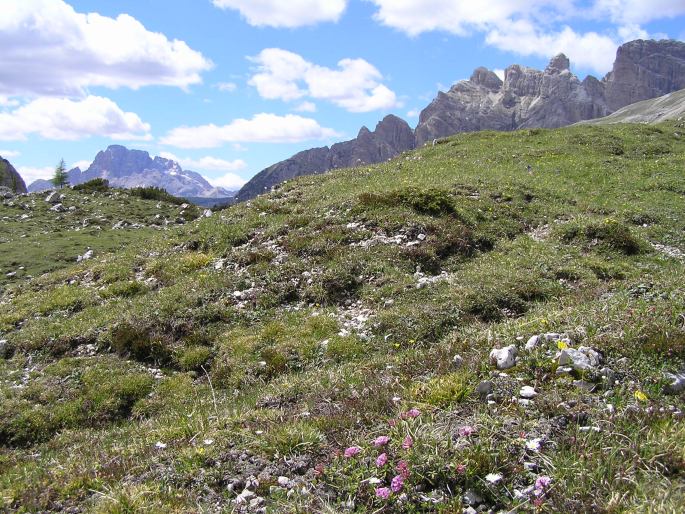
(228,87)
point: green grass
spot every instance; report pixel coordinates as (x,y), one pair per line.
(266,340)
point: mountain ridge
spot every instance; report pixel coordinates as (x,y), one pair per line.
(526,98)
(128,168)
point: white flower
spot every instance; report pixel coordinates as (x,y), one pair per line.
(160,445)
(493,478)
(534,444)
(208,442)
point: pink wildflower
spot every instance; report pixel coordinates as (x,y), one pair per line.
(407,443)
(466,431)
(403,469)
(413,413)
(382,460)
(461,468)
(352,451)
(543,482)
(383,493)
(381,441)
(397,484)
(392,422)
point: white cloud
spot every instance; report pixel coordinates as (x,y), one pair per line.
(456,16)
(591,50)
(229,181)
(355,86)
(262,128)
(9,153)
(306,107)
(638,11)
(83,165)
(533,27)
(31,174)
(50,49)
(64,119)
(414,113)
(294,13)
(227,87)
(206,163)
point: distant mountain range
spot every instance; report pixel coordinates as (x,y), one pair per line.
(526,98)
(135,168)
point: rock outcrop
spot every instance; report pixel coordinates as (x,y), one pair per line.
(391,137)
(644,70)
(135,168)
(10,178)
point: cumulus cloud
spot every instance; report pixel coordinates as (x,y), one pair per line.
(30,174)
(50,49)
(229,181)
(64,119)
(206,163)
(83,165)
(591,50)
(261,128)
(355,86)
(9,153)
(291,14)
(638,11)
(532,27)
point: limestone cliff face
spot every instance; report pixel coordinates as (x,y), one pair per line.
(391,137)
(644,70)
(554,97)
(526,98)
(10,178)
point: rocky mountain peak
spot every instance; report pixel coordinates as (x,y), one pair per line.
(484,77)
(363,132)
(558,63)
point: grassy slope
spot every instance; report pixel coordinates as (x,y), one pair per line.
(40,241)
(283,337)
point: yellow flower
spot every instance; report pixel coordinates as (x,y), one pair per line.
(640,396)
(562,345)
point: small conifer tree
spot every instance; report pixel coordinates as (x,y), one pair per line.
(61,177)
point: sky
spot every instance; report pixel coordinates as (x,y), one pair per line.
(229,87)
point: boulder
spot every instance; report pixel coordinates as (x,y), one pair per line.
(504,358)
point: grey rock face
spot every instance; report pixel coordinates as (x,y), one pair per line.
(526,98)
(10,178)
(644,70)
(552,98)
(391,137)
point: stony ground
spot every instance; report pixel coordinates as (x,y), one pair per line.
(493,323)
